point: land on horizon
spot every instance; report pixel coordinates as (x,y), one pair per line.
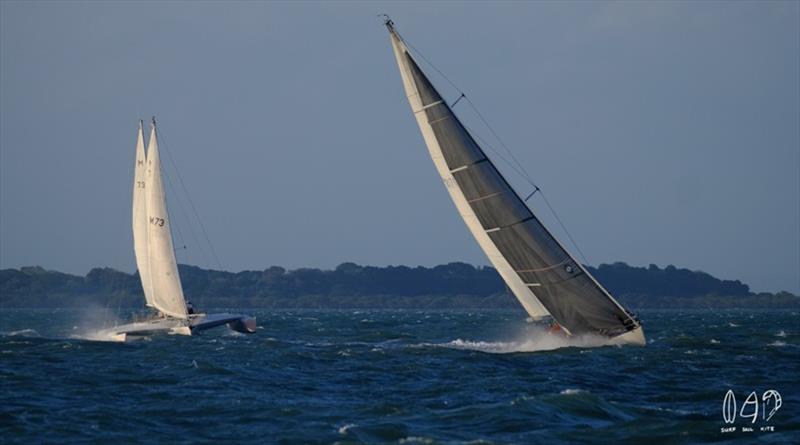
(453,285)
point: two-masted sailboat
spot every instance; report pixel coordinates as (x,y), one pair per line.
(155,259)
(545,278)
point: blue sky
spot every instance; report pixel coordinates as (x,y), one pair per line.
(662,132)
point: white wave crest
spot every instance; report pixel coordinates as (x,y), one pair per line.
(343,429)
(22,333)
(416,439)
(571,391)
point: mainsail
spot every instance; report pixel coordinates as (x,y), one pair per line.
(543,276)
(140,218)
(161,281)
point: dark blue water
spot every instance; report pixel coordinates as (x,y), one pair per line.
(398,377)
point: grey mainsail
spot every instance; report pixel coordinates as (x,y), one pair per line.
(550,275)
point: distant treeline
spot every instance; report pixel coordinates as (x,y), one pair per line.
(350,285)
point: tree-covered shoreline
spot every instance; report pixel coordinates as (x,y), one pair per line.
(453,285)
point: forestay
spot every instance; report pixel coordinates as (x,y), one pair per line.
(536,267)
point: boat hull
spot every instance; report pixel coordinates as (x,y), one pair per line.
(238,323)
(175,326)
(634,337)
(630,338)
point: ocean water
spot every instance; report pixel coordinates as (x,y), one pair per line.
(400,377)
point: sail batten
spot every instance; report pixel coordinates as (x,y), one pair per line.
(524,252)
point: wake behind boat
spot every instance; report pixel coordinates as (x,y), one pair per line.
(545,278)
(155,259)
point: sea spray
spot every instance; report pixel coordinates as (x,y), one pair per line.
(93,323)
(531,338)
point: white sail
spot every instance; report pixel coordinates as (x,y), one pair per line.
(523,293)
(165,284)
(140,218)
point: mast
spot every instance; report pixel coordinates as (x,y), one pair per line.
(544,277)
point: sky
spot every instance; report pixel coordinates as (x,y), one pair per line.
(661,132)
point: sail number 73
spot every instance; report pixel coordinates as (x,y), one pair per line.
(157,221)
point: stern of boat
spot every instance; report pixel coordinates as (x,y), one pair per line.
(245,325)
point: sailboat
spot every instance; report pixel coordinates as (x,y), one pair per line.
(155,259)
(548,281)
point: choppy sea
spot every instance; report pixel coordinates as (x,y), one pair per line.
(402,377)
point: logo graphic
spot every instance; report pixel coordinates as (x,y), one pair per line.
(751,410)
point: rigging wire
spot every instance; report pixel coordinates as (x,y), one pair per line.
(183,215)
(183,212)
(516,165)
(194,209)
(536,189)
(521,169)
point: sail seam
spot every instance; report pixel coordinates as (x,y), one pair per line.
(571,277)
(439,120)
(544,269)
(480,198)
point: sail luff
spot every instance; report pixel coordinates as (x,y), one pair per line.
(526,297)
(166,287)
(139,218)
(503,224)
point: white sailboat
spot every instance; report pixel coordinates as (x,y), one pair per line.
(155,258)
(544,277)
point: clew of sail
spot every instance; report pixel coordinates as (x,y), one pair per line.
(536,267)
(166,293)
(140,218)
